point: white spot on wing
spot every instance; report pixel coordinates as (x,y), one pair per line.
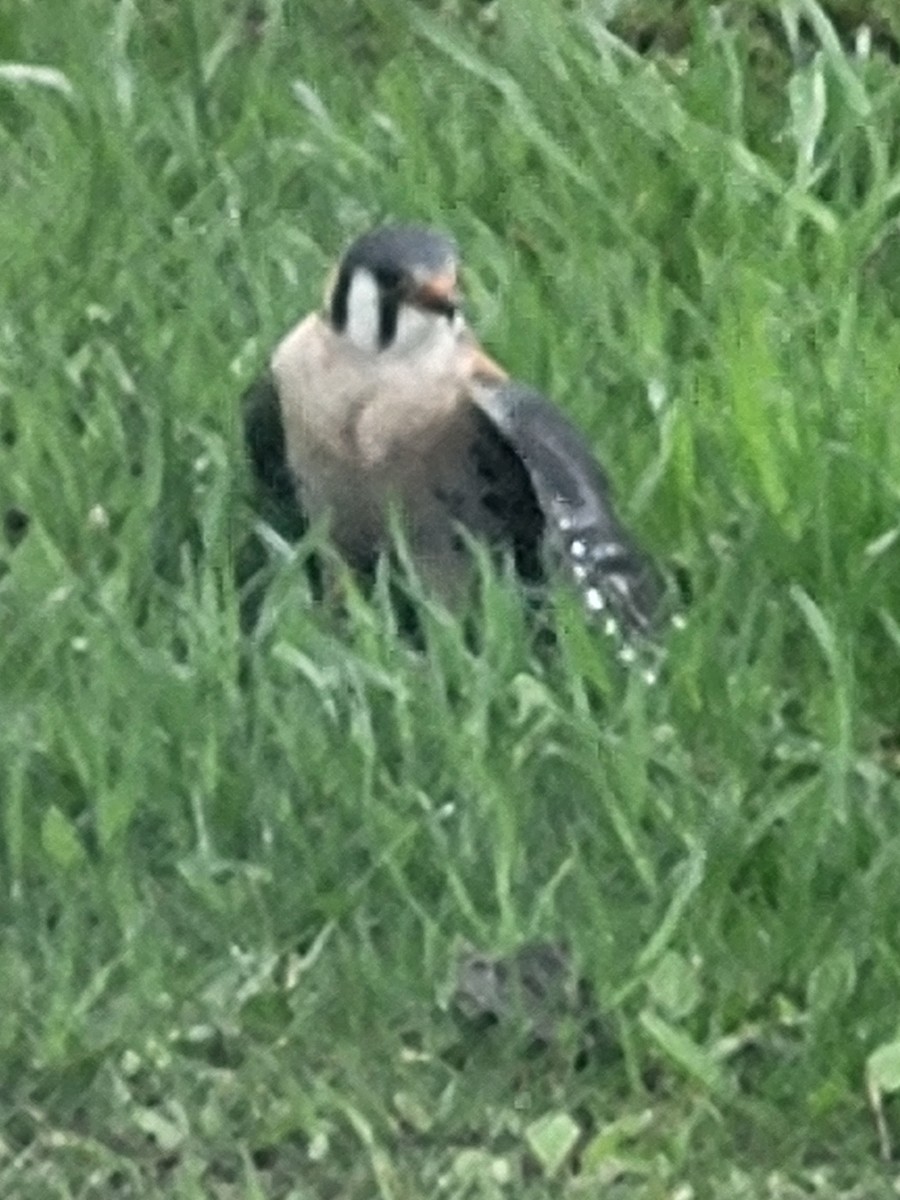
(594,598)
(603,550)
(578,548)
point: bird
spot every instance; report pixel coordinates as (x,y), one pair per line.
(383,406)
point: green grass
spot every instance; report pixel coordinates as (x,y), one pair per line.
(236,867)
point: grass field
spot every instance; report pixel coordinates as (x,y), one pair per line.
(238,866)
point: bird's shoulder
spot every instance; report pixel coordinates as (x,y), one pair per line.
(304,344)
(266,448)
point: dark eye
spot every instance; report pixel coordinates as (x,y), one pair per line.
(389,280)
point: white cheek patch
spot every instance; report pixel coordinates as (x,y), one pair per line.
(417,330)
(363,310)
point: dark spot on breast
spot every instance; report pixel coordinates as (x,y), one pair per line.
(488,473)
(451,498)
(494,504)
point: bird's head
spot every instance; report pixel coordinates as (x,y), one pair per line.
(395,289)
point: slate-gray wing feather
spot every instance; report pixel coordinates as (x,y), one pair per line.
(581,529)
(266,449)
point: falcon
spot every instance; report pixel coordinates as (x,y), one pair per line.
(383,406)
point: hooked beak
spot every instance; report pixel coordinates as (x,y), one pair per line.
(439,294)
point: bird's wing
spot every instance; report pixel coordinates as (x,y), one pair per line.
(581,533)
(265,441)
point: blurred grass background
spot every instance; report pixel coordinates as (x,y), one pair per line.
(237,867)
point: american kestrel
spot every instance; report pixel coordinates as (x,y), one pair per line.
(385,400)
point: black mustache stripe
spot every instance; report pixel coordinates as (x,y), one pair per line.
(340,300)
(388,315)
